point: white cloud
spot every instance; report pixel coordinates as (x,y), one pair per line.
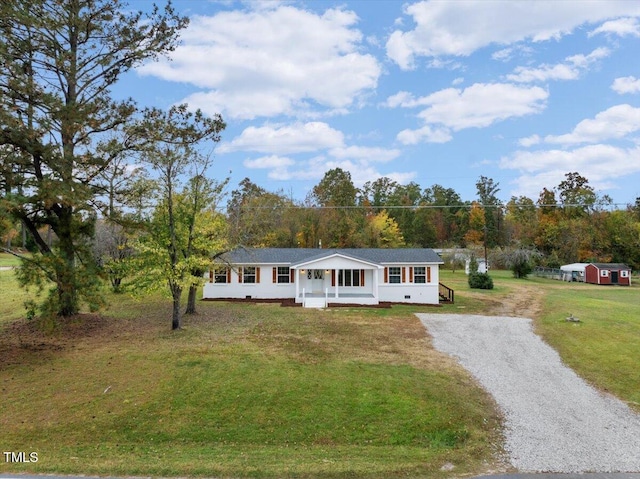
(477,106)
(601,164)
(529,141)
(267,162)
(591,156)
(507,54)
(278,166)
(544,73)
(570,70)
(361,170)
(365,153)
(503,55)
(403,99)
(624,85)
(281,60)
(481,105)
(241,104)
(283,140)
(584,61)
(621,27)
(311,137)
(439,63)
(614,123)
(426,134)
(401,178)
(462,27)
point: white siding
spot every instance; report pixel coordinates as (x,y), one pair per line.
(265,289)
(407,291)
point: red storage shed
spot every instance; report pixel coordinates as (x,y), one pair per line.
(608,273)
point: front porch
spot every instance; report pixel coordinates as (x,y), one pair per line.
(337,286)
(322,300)
(336,279)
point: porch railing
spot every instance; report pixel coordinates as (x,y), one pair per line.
(446,294)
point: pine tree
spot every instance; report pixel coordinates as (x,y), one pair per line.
(58,62)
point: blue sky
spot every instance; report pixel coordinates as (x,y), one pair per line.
(435,92)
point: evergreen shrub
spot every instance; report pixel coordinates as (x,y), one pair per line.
(480,281)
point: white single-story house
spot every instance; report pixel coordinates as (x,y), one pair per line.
(318,277)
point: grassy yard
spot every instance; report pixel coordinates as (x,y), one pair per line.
(241,391)
(8,260)
(263,391)
(12,298)
(604,347)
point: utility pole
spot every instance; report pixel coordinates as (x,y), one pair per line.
(486,261)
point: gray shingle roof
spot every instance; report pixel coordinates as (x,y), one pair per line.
(610,265)
(293,256)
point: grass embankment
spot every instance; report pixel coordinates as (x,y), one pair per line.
(604,347)
(242,391)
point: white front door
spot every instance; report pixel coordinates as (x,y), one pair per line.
(315,280)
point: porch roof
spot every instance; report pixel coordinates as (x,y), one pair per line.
(324,259)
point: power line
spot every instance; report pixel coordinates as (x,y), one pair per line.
(417,207)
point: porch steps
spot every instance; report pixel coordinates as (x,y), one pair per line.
(317,303)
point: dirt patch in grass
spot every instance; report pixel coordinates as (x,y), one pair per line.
(26,341)
(521,298)
(524,300)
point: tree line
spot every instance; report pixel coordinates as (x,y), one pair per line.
(567,223)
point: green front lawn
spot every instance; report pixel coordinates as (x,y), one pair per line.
(248,390)
(242,391)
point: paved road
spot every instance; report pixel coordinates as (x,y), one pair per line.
(502,476)
(564,476)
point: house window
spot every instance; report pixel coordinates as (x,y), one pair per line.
(624,274)
(604,273)
(349,277)
(221,275)
(395,273)
(249,274)
(284,274)
(420,274)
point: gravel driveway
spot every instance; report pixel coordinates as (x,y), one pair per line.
(554,421)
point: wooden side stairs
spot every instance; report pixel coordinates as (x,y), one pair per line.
(445,293)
